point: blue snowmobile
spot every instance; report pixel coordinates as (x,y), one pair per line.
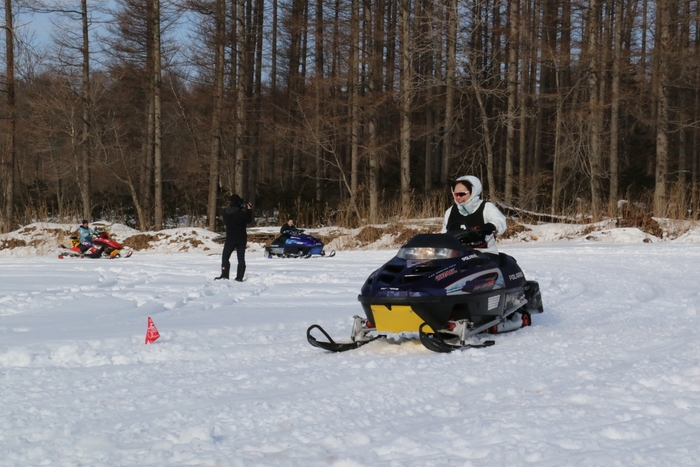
(296,245)
(439,286)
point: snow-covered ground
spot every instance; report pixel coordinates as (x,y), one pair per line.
(608,375)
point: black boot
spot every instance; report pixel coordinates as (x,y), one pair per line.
(224,271)
(239,272)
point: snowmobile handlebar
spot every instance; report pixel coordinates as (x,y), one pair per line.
(476,231)
(475,236)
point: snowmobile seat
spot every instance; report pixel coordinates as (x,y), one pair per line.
(504,260)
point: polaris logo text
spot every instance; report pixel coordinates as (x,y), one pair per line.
(515,276)
(467,258)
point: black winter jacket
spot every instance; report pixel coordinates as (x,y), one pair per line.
(236,220)
(286,229)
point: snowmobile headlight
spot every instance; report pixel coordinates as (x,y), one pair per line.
(427,253)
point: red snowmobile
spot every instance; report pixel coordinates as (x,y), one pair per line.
(103,246)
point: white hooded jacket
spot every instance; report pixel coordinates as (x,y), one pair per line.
(491,213)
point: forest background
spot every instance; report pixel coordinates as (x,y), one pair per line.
(344,112)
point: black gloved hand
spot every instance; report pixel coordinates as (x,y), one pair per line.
(486,229)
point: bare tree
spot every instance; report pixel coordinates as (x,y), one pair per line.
(405,97)
(320,95)
(74,51)
(450,75)
(615,106)
(157,114)
(11,119)
(661,94)
(215,148)
(240,101)
(595,109)
(354,106)
(513,20)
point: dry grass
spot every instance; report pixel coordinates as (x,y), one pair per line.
(587,230)
(194,242)
(646,224)
(140,241)
(11,243)
(513,228)
(369,234)
(265,238)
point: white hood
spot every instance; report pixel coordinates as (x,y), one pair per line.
(472,204)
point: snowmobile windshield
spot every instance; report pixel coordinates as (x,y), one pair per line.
(427,253)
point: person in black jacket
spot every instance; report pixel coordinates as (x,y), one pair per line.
(236,217)
(287,228)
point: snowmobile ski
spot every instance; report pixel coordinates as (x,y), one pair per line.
(435,342)
(334,346)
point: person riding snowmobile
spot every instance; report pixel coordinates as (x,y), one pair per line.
(86,236)
(484,220)
(470,212)
(287,227)
(449,287)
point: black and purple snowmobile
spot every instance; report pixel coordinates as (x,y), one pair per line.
(296,245)
(451,294)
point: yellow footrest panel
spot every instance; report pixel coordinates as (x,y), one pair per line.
(396,318)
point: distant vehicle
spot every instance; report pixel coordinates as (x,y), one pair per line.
(103,246)
(296,245)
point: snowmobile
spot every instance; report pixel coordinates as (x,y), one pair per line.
(441,287)
(296,245)
(103,246)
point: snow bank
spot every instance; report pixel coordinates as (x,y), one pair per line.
(42,238)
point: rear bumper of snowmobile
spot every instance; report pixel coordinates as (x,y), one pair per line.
(406,314)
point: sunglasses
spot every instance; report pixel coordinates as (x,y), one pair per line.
(461,193)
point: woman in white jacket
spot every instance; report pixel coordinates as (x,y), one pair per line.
(470,212)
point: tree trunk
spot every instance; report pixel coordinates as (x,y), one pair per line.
(257,102)
(9,221)
(526,58)
(353,85)
(615,107)
(595,109)
(294,84)
(450,72)
(375,90)
(513,19)
(215,132)
(406,95)
(318,58)
(662,82)
(557,163)
(146,176)
(85,98)
(695,177)
(157,121)
(486,138)
(239,66)
(273,54)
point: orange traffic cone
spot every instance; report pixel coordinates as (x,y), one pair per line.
(152,333)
